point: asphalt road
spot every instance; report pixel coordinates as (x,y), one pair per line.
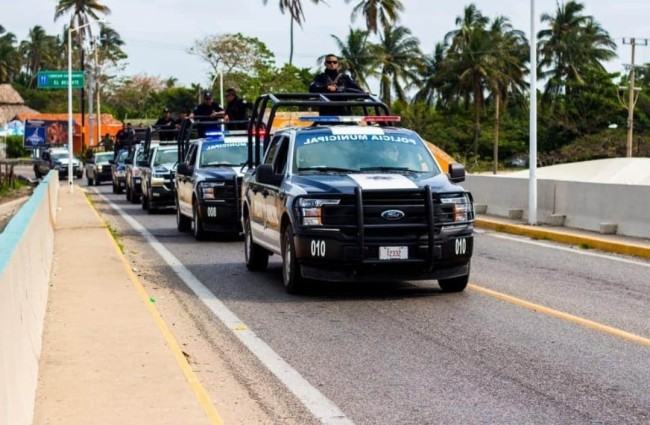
(408,354)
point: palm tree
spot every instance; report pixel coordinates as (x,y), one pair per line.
(470,58)
(38,51)
(81,12)
(433,76)
(398,56)
(9,56)
(572,43)
(508,77)
(384,12)
(110,45)
(294,7)
(295,10)
(354,53)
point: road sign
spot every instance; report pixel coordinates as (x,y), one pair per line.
(59,79)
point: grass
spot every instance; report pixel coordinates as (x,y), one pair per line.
(6,191)
(584,246)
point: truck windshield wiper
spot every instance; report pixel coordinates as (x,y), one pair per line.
(325,169)
(389,169)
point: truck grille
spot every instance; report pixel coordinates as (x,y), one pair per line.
(413,224)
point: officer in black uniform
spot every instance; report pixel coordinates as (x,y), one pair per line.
(207,111)
(334,81)
(166,126)
(236,110)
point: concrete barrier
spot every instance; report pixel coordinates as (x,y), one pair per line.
(587,206)
(26,252)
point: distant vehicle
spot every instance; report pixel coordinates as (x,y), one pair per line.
(157,177)
(55,159)
(118,174)
(98,168)
(208,183)
(132,173)
(352,198)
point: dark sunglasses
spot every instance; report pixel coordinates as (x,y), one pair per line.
(331,62)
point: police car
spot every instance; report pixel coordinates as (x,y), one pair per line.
(208,181)
(353,198)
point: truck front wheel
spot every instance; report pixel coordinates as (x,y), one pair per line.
(293,280)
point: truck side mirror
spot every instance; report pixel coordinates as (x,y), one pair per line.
(456,173)
(266,175)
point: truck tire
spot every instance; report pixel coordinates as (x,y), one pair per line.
(257,258)
(293,280)
(456,284)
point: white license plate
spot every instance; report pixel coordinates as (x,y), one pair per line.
(393,252)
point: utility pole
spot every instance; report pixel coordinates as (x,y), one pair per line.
(632,96)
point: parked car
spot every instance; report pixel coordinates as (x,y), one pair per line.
(55,159)
(353,198)
(157,172)
(208,184)
(98,168)
(118,175)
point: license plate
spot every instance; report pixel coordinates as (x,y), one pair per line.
(393,252)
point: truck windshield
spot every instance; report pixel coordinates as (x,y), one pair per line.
(166,156)
(225,153)
(363,150)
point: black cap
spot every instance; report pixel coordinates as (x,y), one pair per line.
(207,95)
(165,110)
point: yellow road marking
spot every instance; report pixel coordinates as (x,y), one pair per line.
(564,316)
(195,384)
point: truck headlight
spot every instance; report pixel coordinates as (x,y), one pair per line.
(310,210)
(157,179)
(100,168)
(208,190)
(463,208)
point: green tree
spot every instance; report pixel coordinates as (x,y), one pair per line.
(507,76)
(376,12)
(398,56)
(470,56)
(354,55)
(294,7)
(232,53)
(572,44)
(38,51)
(9,56)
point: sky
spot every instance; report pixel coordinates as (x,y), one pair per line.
(158,33)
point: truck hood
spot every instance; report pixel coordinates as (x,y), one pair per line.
(345,183)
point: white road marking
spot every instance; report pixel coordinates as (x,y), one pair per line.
(319,405)
(567,249)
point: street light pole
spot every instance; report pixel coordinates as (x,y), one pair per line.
(70,128)
(532,156)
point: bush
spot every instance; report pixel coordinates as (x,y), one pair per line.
(15,147)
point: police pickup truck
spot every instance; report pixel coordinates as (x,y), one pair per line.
(352,198)
(208,178)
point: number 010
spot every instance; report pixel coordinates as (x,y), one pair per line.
(317,248)
(461,246)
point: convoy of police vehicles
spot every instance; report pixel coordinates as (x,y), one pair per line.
(348,197)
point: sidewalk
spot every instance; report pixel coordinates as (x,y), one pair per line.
(107,356)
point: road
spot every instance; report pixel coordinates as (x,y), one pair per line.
(544,334)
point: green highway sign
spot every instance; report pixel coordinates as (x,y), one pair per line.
(59,79)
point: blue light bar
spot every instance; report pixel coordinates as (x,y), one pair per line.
(350,118)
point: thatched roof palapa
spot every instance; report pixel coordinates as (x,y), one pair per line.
(12,104)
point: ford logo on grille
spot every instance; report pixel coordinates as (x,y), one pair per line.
(393,215)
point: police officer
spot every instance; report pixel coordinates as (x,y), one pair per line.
(166,126)
(207,109)
(333,81)
(236,110)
